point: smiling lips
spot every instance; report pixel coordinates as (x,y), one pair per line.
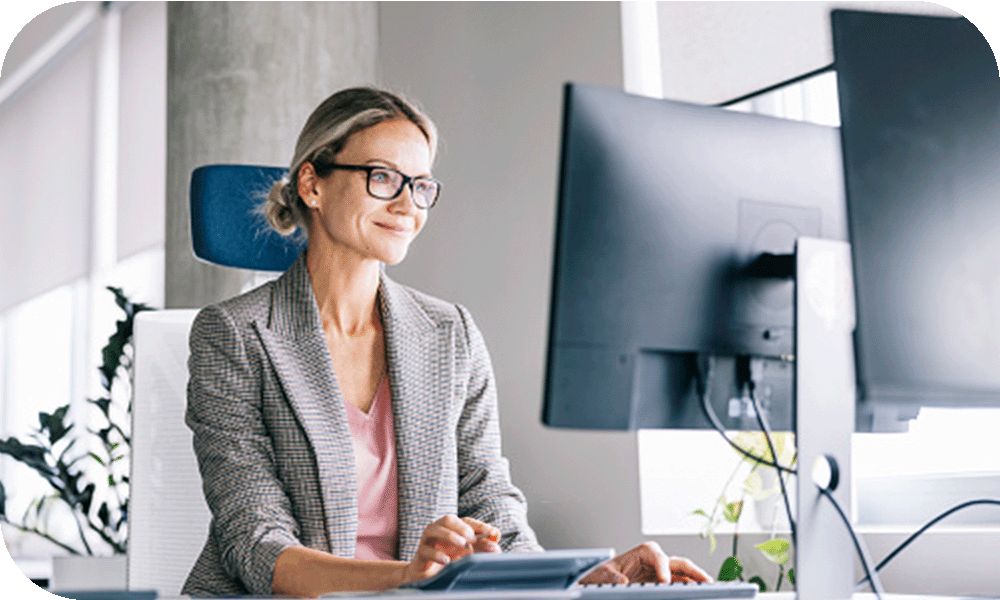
(397,229)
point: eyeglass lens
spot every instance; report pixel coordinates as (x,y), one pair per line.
(387,184)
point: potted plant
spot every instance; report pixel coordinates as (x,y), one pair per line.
(86,469)
(759,486)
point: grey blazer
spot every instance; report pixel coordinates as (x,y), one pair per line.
(273,444)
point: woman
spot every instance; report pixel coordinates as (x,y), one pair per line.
(346,425)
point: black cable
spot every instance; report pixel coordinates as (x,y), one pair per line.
(885,561)
(704,381)
(752,386)
(862,555)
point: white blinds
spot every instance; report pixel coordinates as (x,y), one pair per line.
(717,51)
(46,175)
(142,128)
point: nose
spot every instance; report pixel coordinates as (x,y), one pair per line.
(403,203)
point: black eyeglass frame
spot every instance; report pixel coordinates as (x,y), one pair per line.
(406,181)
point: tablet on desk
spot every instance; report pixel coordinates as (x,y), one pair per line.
(551,570)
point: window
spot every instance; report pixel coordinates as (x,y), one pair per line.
(52,330)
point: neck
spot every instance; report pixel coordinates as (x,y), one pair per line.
(346,288)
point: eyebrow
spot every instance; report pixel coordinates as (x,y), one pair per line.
(391,164)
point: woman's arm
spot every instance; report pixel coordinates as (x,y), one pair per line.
(252,520)
(303,572)
(306,573)
(485,490)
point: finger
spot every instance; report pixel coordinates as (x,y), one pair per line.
(458,526)
(657,561)
(431,559)
(604,574)
(485,545)
(480,528)
(445,539)
(450,543)
(681,566)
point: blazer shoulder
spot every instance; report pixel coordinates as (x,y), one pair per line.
(245,308)
(441,312)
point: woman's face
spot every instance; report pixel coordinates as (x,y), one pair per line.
(344,214)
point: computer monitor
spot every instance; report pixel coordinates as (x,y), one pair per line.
(920,111)
(663,206)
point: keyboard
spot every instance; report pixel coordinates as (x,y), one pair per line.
(667,591)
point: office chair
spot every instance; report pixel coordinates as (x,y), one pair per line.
(169,519)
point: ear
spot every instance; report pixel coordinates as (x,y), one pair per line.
(307,183)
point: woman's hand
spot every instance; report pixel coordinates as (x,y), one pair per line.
(646,563)
(447,539)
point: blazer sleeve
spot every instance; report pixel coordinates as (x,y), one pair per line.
(252,520)
(485,490)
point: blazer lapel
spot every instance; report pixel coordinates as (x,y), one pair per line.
(420,358)
(294,341)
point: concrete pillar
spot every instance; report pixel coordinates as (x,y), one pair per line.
(242,78)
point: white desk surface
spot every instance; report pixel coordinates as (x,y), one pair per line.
(565,595)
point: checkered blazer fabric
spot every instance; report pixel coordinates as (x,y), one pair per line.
(272,440)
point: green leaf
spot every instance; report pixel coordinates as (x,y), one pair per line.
(65,451)
(775,550)
(791,575)
(733,511)
(104,514)
(99,460)
(54,425)
(731,569)
(104,404)
(86,498)
(753,485)
(104,434)
(29,455)
(760,583)
(123,516)
(700,513)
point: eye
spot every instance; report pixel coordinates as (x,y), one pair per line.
(426,187)
(381,176)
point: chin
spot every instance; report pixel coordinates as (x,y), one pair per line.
(392,256)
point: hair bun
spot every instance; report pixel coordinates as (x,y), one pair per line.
(277,208)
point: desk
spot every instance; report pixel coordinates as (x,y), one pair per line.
(569,596)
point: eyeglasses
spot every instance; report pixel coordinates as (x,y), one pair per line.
(386,184)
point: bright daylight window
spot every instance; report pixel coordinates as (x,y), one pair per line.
(51,333)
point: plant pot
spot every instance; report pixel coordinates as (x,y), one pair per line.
(87,573)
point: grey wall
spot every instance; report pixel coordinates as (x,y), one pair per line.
(491,76)
(241,79)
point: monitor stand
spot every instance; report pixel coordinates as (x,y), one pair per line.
(823,414)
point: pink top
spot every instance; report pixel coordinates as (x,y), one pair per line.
(374,441)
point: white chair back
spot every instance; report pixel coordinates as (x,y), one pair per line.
(168,517)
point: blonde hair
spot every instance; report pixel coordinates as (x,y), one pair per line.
(324,135)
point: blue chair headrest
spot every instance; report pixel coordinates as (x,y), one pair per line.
(225,230)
